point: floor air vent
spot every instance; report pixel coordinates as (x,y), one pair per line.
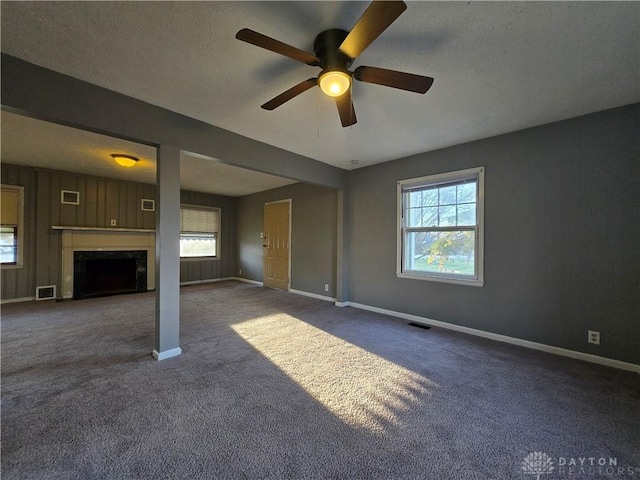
(426,327)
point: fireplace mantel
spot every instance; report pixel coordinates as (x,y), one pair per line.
(102,229)
(105,239)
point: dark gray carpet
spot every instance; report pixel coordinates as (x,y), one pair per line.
(275,385)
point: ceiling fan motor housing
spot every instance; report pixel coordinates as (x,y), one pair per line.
(326,47)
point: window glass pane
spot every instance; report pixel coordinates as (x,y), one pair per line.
(8,245)
(423,217)
(467,193)
(466,214)
(440,252)
(447,216)
(430,197)
(447,195)
(415,217)
(197,245)
(415,199)
(430,217)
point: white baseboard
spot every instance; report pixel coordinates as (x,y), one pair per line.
(609,362)
(312,295)
(17,300)
(246,280)
(208,280)
(173,352)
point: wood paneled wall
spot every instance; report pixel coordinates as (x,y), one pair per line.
(20,282)
(101,201)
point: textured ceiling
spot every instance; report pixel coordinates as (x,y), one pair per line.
(498,66)
(34,143)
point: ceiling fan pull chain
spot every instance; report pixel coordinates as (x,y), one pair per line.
(318,112)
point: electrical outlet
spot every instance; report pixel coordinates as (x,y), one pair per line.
(113,223)
(326,287)
(594,337)
(240,271)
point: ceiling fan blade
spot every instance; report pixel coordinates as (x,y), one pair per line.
(375,20)
(289,94)
(392,78)
(345,109)
(260,40)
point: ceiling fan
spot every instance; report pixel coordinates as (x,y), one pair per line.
(335,50)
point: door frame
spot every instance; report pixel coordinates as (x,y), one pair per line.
(290,202)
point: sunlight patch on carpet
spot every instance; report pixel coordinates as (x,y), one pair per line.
(361,388)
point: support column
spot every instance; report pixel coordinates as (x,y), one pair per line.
(167,253)
(342,256)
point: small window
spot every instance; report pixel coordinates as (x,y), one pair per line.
(199,230)
(440,227)
(11,225)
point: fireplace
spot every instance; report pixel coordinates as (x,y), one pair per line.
(105,241)
(104,273)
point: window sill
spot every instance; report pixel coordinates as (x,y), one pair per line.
(11,266)
(198,259)
(441,279)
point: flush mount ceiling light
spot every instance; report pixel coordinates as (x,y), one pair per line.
(124,160)
(334,83)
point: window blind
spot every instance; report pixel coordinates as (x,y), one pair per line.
(194,220)
(10,207)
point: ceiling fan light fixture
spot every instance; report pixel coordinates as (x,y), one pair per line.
(124,160)
(334,82)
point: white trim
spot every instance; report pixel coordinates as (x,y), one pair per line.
(207,280)
(587,357)
(312,295)
(246,280)
(342,304)
(17,300)
(453,279)
(174,352)
(446,177)
(102,229)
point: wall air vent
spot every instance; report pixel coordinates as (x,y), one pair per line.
(69,197)
(148,205)
(46,293)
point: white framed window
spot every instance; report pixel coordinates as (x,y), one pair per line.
(199,231)
(12,226)
(440,227)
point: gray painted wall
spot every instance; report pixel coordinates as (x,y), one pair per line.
(313,236)
(101,200)
(562,235)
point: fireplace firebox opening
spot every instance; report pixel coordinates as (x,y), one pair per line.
(104,273)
